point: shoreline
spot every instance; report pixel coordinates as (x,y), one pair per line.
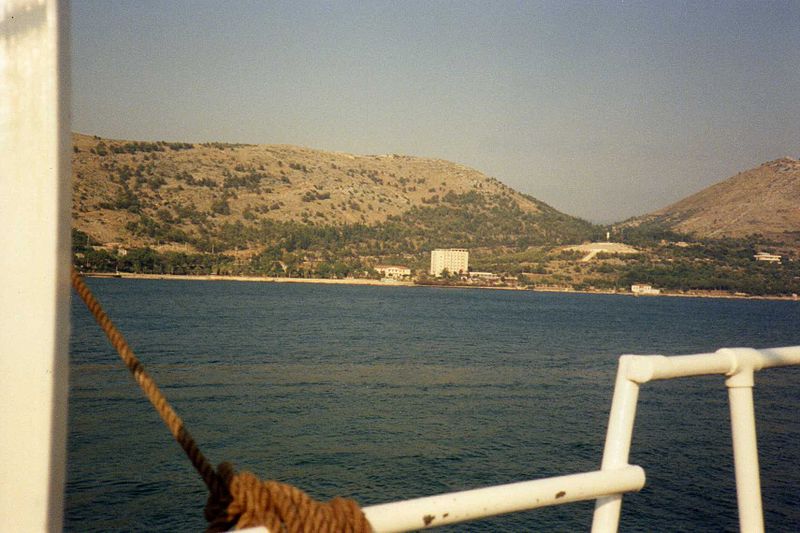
(395,283)
(257,279)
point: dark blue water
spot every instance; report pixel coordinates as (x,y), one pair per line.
(385,393)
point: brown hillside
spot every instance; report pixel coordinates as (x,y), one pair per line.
(201,188)
(764,200)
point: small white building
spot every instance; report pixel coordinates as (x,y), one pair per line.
(768,257)
(112,247)
(485,276)
(453,260)
(393,271)
(644,288)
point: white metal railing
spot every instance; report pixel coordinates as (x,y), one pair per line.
(616,476)
(455,507)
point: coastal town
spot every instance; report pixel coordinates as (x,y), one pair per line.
(450,267)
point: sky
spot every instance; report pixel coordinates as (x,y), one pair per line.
(604,110)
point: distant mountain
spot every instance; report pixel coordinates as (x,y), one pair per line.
(761,201)
(216,196)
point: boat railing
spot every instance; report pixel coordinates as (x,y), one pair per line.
(615,476)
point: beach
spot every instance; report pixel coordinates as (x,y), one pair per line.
(397,283)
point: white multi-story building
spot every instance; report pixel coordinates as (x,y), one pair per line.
(453,260)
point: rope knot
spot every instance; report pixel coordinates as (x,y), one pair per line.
(279,507)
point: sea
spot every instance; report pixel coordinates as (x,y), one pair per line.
(387,393)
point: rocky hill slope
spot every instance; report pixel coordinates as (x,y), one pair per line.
(203,197)
(762,201)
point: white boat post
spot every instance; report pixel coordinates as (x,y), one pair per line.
(34,264)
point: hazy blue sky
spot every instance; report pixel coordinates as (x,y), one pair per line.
(604,110)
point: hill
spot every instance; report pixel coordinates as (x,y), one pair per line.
(181,208)
(764,201)
(270,201)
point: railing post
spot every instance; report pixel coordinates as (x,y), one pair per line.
(618,444)
(745,446)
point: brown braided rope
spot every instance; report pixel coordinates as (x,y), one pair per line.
(281,507)
(150,389)
(240,500)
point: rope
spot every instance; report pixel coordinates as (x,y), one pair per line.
(235,500)
(282,507)
(150,389)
